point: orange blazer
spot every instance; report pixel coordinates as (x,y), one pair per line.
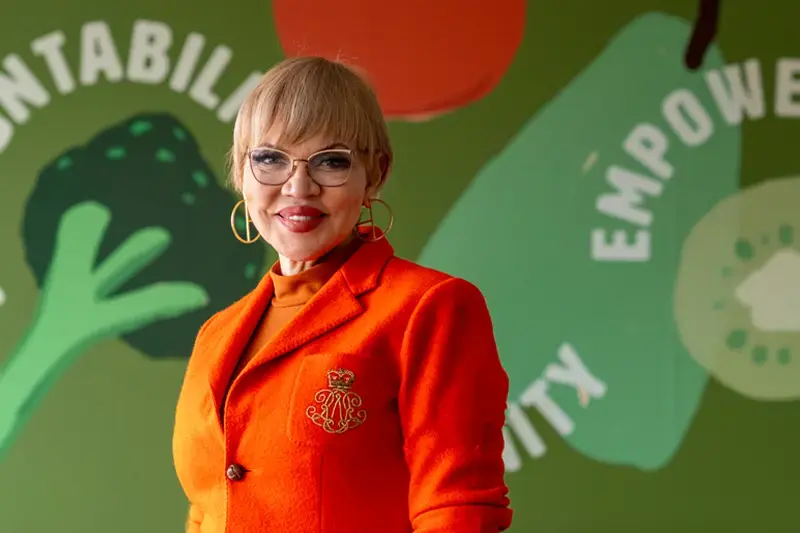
(378,409)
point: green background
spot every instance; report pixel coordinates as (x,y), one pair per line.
(96,456)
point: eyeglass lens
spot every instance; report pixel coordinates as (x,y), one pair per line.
(327,168)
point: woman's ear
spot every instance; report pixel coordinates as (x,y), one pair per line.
(383,168)
(372,192)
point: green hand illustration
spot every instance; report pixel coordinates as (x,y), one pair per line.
(117,234)
(75,310)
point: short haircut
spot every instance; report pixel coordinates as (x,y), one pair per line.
(309,96)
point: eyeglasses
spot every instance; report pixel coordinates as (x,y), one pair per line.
(328,168)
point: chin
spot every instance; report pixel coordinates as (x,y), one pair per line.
(306,248)
(303,252)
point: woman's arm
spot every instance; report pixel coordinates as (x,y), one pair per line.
(452,407)
(195,516)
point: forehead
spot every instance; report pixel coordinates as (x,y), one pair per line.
(306,124)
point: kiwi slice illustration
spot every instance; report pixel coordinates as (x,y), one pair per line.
(737,297)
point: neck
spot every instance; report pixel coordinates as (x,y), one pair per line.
(290,267)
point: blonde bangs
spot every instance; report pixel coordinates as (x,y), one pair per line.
(307,97)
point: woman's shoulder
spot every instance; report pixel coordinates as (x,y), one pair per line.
(403,270)
(221,316)
(416,280)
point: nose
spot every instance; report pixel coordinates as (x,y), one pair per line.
(300,184)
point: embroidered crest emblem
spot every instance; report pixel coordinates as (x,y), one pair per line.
(337,408)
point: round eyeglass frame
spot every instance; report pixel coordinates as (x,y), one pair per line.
(295,160)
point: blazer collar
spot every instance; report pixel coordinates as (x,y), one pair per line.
(335,303)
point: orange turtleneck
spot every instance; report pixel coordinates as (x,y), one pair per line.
(291,294)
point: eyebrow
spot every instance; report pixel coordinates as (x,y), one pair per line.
(328,147)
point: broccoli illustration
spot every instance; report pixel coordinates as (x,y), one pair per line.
(127,237)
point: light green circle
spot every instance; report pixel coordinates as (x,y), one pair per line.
(737,295)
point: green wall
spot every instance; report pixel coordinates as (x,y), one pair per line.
(654,387)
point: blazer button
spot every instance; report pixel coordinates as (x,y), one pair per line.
(235,472)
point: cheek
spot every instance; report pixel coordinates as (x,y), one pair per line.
(346,202)
(251,190)
(257,195)
(259,199)
(346,208)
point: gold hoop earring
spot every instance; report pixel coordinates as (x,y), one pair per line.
(239,238)
(372,227)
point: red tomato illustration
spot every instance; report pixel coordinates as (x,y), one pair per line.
(422,57)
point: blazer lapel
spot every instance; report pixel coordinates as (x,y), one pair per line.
(234,337)
(332,306)
(335,304)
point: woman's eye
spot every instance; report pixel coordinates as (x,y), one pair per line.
(268,158)
(333,162)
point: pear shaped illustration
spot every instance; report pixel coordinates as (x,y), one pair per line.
(533,231)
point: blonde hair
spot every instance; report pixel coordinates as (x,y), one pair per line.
(309,96)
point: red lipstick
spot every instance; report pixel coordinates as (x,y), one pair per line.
(300,218)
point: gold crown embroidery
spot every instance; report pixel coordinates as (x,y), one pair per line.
(337,406)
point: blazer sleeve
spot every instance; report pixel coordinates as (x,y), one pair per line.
(195,516)
(452,403)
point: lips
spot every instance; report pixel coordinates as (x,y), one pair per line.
(300,219)
(300,211)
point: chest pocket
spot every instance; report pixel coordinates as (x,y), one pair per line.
(343,401)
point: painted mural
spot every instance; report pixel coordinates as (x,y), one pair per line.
(618,179)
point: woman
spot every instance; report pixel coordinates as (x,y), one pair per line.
(351,391)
